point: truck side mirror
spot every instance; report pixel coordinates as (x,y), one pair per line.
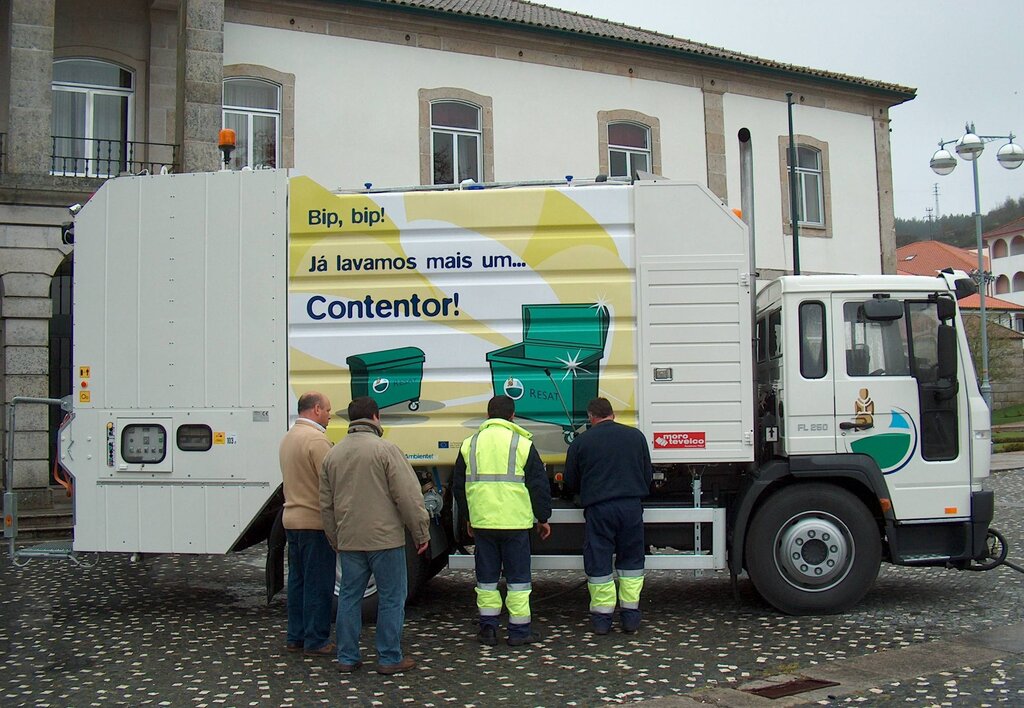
(965,287)
(882,309)
(945,308)
(947,368)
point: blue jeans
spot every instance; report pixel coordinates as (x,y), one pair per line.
(310,587)
(389,570)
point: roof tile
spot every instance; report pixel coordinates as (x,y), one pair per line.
(536,15)
(929,257)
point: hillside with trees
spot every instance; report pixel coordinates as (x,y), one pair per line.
(957,229)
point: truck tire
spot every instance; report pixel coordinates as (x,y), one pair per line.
(813,549)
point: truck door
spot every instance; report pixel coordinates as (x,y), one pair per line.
(894,404)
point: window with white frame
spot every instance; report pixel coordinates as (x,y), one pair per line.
(252,108)
(809,181)
(91,121)
(455,142)
(629,149)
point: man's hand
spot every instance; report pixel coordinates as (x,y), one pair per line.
(544,530)
(421,548)
(469,529)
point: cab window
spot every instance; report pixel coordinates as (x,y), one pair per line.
(874,348)
(775,334)
(811,316)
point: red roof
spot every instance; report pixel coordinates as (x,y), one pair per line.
(1014,227)
(929,257)
(973,302)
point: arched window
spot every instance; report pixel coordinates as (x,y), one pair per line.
(1018,282)
(999,249)
(813,186)
(1002,285)
(629,149)
(91,121)
(1017,246)
(455,142)
(252,108)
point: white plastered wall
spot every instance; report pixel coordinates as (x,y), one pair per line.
(357,108)
(854,244)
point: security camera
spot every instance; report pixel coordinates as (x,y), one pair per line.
(74,209)
(67,232)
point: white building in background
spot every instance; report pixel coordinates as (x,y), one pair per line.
(416,94)
(397,93)
(1005,247)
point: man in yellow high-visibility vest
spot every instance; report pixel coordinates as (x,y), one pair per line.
(610,466)
(500,480)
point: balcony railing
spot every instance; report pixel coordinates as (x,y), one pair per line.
(102,157)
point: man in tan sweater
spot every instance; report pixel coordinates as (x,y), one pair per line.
(369,495)
(310,552)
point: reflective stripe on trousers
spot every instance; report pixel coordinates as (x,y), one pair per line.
(518,602)
(631,582)
(603,591)
(488,599)
(602,594)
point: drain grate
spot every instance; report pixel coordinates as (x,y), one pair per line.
(790,688)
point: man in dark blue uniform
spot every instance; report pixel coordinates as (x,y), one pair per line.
(610,466)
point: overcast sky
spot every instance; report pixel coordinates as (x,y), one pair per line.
(966,60)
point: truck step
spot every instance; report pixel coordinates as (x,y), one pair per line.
(49,549)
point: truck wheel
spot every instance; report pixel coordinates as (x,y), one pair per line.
(813,549)
(414,405)
(568,436)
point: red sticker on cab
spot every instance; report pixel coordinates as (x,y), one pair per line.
(669,441)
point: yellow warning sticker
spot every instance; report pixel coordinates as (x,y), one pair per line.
(84,396)
(83,372)
(218,438)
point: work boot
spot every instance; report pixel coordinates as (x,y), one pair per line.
(520,641)
(487,636)
(329,649)
(389,669)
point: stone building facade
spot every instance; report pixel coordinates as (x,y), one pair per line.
(92,89)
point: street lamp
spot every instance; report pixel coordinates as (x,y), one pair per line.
(969,146)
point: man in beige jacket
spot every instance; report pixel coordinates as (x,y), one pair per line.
(369,495)
(310,556)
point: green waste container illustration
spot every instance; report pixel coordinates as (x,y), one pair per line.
(389,376)
(554,372)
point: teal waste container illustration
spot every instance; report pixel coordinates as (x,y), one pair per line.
(554,372)
(389,376)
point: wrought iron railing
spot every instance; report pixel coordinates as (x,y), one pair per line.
(103,157)
(3,152)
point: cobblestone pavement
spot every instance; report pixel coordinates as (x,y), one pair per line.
(184,631)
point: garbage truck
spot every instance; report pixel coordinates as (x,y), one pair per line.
(803,430)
